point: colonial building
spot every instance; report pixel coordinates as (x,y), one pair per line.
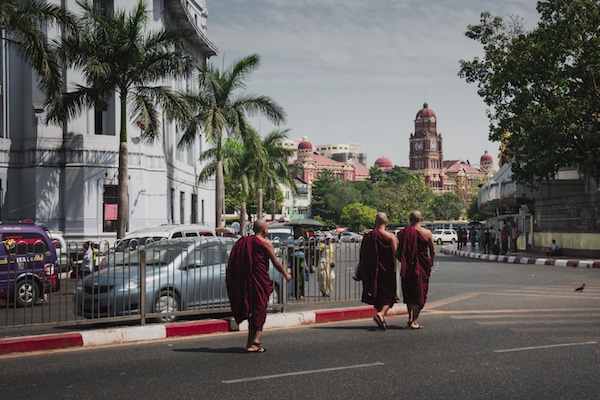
(426,156)
(66,176)
(308,164)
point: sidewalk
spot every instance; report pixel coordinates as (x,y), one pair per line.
(522,258)
(108,336)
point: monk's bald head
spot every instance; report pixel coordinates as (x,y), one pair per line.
(259,226)
(381,219)
(415,217)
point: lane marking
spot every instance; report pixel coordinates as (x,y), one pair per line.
(544,347)
(316,371)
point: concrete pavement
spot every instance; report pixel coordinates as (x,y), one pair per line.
(100,337)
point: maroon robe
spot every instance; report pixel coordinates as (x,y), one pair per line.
(377,270)
(248,283)
(415,269)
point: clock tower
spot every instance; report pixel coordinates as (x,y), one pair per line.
(425,155)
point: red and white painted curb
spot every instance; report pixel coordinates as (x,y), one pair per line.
(524,260)
(101,337)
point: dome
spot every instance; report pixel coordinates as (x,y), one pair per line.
(305,144)
(384,163)
(486,158)
(425,112)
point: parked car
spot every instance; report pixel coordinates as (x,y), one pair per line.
(28,264)
(160,232)
(181,275)
(349,237)
(444,236)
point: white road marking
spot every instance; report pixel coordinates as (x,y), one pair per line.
(316,371)
(544,347)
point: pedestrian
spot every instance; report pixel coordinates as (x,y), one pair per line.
(472,237)
(459,234)
(554,249)
(326,262)
(504,239)
(248,283)
(487,241)
(514,235)
(87,263)
(377,269)
(416,253)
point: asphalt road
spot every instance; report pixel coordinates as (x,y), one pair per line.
(491,331)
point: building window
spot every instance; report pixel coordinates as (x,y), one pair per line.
(172,212)
(181,207)
(109,208)
(194,207)
(202,211)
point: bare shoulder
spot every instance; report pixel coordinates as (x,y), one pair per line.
(390,236)
(426,233)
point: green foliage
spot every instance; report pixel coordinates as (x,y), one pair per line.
(448,206)
(473,213)
(542,87)
(358,216)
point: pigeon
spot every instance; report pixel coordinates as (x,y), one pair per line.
(580,288)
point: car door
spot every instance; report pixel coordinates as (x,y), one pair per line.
(205,269)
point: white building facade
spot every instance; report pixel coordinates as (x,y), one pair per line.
(66,176)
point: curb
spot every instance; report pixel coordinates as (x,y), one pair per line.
(110,336)
(524,260)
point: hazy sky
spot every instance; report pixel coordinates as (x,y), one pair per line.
(350,71)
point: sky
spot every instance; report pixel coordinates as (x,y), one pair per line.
(350,71)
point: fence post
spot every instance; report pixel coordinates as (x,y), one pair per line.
(142,286)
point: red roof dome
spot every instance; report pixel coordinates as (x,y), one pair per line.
(425,112)
(305,144)
(384,163)
(486,158)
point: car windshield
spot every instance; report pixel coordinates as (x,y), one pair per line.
(133,243)
(281,236)
(157,254)
(437,232)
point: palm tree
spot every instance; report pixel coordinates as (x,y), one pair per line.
(115,53)
(21,25)
(236,160)
(221,110)
(276,168)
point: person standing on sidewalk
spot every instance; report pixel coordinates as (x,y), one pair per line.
(87,263)
(326,274)
(416,253)
(377,269)
(248,283)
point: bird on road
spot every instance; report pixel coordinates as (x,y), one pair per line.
(580,288)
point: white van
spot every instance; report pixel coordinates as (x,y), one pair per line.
(160,232)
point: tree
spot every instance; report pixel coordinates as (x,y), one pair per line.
(115,53)
(358,216)
(447,206)
(473,213)
(543,88)
(273,167)
(219,111)
(21,26)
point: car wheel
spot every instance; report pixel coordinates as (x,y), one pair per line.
(452,241)
(352,240)
(26,293)
(167,302)
(439,241)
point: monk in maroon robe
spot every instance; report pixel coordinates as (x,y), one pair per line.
(248,283)
(377,269)
(416,252)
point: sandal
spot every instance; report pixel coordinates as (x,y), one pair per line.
(380,322)
(259,348)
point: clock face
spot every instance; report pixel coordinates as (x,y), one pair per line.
(418,145)
(433,145)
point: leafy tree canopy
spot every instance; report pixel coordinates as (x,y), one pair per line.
(542,87)
(358,216)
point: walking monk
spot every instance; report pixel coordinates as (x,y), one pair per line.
(416,253)
(248,283)
(377,269)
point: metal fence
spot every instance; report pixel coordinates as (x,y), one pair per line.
(173,279)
